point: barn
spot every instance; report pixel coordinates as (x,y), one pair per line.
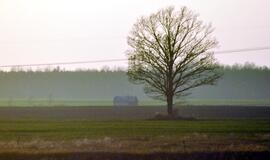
(125,101)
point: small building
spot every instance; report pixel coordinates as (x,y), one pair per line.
(125,101)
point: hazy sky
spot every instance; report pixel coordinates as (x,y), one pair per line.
(45,31)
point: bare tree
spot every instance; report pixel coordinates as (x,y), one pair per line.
(171,53)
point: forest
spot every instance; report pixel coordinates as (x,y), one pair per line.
(239,82)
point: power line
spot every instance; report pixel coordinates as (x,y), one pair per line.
(243,50)
(63,63)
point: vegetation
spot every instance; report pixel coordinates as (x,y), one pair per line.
(51,139)
(244,85)
(171,54)
(35,102)
(83,139)
(68,129)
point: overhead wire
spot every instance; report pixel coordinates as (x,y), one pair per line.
(243,50)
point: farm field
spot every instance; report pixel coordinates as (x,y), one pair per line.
(112,133)
(141,139)
(81,102)
(105,132)
(132,112)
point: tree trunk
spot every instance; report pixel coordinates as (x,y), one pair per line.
(170,104)
(170,93)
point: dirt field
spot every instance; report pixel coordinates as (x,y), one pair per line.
(130,156)
(133,113)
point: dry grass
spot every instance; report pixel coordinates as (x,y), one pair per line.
(195,142)
(189,147)
(111,140)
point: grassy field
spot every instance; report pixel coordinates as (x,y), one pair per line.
(46,102)
(83,133)
(49,138)
(61,130)
(217,102)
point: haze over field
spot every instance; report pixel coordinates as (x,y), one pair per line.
(36,31)
(236,84)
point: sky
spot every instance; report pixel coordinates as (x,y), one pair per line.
(48,31)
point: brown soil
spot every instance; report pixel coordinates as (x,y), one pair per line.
(134,156)
(133,113)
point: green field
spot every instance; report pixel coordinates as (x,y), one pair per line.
(45,102)
(62,130)
(217,102)
(66,139)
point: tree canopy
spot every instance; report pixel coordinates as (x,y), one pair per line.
(171,53)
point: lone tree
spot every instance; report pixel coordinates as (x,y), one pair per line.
(170,53)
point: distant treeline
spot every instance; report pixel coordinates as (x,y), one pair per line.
(238,82)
